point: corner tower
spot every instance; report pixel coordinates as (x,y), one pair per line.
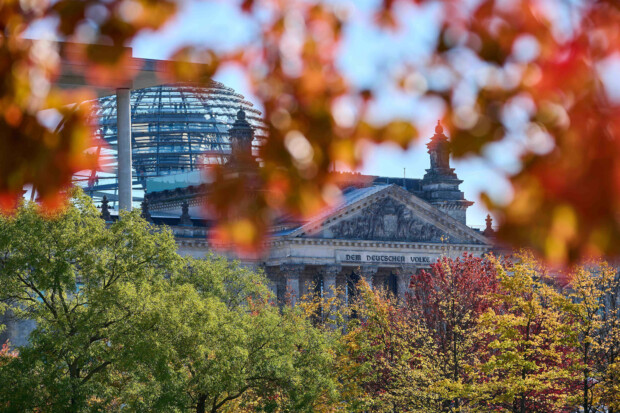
(241,136)
(440,184)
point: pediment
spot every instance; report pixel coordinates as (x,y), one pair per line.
(391,214)
(386,220)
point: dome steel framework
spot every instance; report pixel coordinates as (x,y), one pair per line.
(174,128)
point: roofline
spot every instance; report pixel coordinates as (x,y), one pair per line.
(392,188)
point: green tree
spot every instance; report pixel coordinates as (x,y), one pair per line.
(224,346)
(526,366)
(594,305)
(384,356)
(609,342)
(587,302)
(84,284)
(123,320)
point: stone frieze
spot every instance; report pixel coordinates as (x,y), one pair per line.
(388,220)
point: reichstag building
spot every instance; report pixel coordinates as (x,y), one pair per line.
(384,230)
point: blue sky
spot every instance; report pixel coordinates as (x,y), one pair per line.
(368,56)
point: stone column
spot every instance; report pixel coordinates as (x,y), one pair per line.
(123,124)
(329,274)
(403,275)
(328,311)
(368,273)
(292,275)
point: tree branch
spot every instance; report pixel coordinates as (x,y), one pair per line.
(95,371)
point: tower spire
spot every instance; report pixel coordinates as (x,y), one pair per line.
(440,183)
(488,231)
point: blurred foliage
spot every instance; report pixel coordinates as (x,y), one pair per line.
(565,199)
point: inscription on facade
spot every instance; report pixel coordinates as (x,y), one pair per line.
(381,258)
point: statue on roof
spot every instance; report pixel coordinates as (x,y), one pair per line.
(241,136)
(439,150)
(185,219)
(145,210)
(488,231)
(105,211)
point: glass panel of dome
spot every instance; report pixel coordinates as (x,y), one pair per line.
(172,128)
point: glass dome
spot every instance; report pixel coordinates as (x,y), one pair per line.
(174,129)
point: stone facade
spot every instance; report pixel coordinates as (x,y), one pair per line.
(384,235)
(385,230)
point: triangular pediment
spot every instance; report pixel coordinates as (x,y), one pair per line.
(390,214)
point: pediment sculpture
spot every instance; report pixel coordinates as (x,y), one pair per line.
(388,220)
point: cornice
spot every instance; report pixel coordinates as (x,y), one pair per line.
(368,244)
(452,204)
(203,243)
(193,243)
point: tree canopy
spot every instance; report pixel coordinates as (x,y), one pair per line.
(123,320)
(486,335)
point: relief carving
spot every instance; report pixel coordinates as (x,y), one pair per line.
(388,220)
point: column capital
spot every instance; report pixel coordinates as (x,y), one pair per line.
(404,269)
(366,270)
(330,270)
(292,269)
(403,275)
(369,270)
